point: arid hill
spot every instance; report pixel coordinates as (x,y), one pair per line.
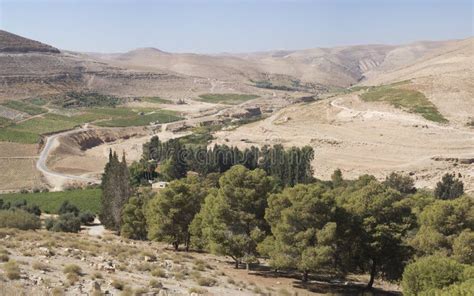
(30,68)
(13,43)
(338,66)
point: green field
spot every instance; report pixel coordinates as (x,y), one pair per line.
(136,119)
(229,99)
(49,202)
(4,121)
(411,100)
(37,101)
(29,131)
(24,107)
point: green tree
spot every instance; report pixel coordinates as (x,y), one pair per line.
(432,272)
(441,223)
(404,184)
(134,223)
(463,247)
(115,191)
(336,178)
(302,221)
(449,187)
(381,223)
(170,213)
(231,220)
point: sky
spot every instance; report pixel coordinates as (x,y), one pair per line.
(233,26)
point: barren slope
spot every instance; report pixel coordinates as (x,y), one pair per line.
(445,76)
(361,138)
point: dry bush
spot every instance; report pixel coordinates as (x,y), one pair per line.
(57,291)
(140,291)
(72,278)
(143,266)
(283,292)
(72,269)
(179,275)
(158,272)
(12,270)
(41,266)
(206,281)
(118,284)
(197,290)
(4,258)
(97,275)
(155,284)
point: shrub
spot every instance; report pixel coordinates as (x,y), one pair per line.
(206,281)
(118,284)
(11,270)
(462,247)
(19,219)
(87,217)
(158,272)
(72,278)
(431,272)
(4,258)
(67,223)
(40,266)
(156,284)
(57,291)
(97,275)
(67,207)
(72,268)
(196,290)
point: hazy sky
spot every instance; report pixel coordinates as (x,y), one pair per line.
(232,25)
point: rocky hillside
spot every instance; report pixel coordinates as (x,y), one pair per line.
(30,68)
(13,43)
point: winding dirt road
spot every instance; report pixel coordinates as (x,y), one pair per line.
(54,178)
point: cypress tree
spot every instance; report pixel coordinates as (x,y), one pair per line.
(115,191)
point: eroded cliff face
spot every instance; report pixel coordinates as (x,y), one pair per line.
(84,140)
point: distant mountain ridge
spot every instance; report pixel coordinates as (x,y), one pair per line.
(29,67)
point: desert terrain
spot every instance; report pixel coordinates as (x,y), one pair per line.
(347,132)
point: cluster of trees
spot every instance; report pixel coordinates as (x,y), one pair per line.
(289,167)
(332,227)
(268,208)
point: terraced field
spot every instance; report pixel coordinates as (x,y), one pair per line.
(30,131)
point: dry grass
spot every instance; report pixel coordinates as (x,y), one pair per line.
(197,290)
(72,269)
(12,270)
(41,266)
(159,272)
(206,281)
(118,284)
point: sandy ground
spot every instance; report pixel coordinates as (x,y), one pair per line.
(361,138)
(91,162)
